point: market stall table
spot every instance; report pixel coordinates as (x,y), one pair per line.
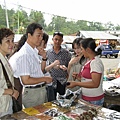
(112,92)
(42,112)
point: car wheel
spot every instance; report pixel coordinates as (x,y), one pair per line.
(116,56)
(108,56)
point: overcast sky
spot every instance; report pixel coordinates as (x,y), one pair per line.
(92,10)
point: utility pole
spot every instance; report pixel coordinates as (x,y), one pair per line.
(18,19)
(6,15)
(18,22)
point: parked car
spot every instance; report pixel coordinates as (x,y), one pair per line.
(108,52)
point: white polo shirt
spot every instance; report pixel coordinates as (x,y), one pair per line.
(27,63)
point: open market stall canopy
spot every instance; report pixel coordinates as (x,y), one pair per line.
(102,35)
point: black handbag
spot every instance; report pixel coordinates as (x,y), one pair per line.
(16,105)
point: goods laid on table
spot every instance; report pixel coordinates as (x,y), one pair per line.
(68,99)
(80,114)
(75,109)
(80,111)
(31,111)
(66,107)
(113,90)
(107,114)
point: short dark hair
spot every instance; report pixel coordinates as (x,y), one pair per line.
(32,27)
(5,32)
(58,33)
(45,37)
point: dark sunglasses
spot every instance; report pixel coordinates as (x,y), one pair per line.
(58,33)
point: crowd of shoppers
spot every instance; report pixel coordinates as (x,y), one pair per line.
(43,73)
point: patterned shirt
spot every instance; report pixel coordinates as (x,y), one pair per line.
(64,57)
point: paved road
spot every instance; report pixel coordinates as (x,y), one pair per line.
(110,63)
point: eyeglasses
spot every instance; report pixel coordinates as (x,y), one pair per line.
(58,33)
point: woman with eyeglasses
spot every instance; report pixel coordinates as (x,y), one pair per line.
(6,91)
(92,73)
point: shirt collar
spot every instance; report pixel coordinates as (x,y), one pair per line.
(61,49)
(30,49)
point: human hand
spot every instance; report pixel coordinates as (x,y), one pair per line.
(48,80)
(56,62)
(71,84)
(63,67)
(75,75)
(15,94)
(42,52)
(74,60)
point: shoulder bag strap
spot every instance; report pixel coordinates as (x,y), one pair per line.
(9,84)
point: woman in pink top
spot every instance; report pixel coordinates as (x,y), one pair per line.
(91,75)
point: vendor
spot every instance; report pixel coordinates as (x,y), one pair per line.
(91,75)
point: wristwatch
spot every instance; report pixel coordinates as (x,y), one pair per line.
(44,59)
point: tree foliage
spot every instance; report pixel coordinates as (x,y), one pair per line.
(37,16)
(19,19)
(2,18)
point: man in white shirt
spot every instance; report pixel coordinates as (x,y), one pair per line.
(29,69)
